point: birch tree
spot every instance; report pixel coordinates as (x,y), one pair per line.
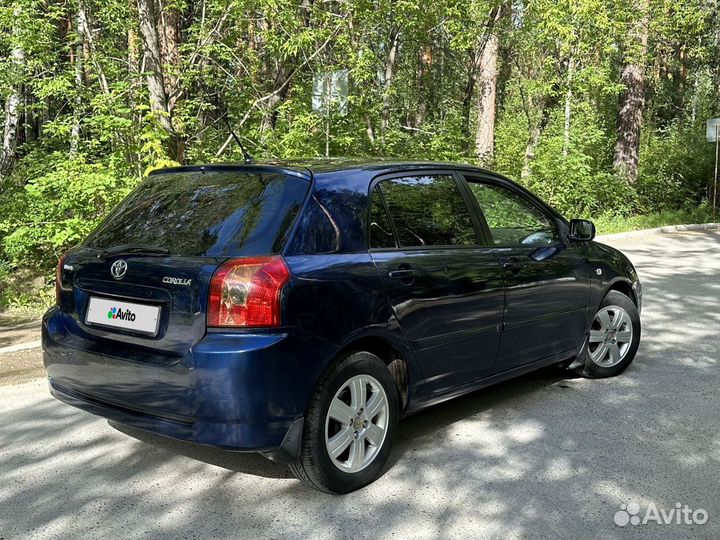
(12,102)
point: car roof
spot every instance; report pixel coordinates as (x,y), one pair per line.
(345,175)
(375,165)
(323,166)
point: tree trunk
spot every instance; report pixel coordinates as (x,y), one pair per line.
(387,83)
(424,85)
(12,119)
(487,86)
(91,52)
(632,102)
(79,62)
(483,73)
(170,38)
(469,91)
(535,134)
(134,70)
(568,105)
(27,119)
(153,63)
(270,116)
(369,128)
(12,113)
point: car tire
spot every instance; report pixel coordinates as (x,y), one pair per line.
(613,340)
(345,449)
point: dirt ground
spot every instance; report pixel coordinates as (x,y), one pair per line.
(24,365)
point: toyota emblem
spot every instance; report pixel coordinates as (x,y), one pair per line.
(118,269)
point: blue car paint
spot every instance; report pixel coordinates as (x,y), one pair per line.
(247,389)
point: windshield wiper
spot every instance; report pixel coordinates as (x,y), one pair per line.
(141,249)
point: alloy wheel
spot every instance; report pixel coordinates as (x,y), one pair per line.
(356,423)
(611,335)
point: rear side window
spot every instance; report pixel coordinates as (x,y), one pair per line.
(214,213)
(381,233)
(428,210)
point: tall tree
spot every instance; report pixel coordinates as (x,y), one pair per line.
(154,72)
(487,90)
(78,60)
(393,44)
(632,99)
(12,102)
(169,22)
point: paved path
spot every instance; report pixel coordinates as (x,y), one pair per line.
(538,457)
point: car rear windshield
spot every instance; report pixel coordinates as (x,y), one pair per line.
(213,213)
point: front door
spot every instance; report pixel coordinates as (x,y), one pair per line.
(444,286)
(547,282)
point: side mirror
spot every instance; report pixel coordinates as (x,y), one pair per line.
(581,230)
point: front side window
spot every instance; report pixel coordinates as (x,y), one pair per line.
(513,220)
(428,210)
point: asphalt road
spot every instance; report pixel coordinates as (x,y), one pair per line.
(539,457)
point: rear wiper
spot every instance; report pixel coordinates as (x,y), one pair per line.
(126,249)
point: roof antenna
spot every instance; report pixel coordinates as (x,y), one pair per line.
(248,159)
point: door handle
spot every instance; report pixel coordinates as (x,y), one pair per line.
(403,274)
(512,265)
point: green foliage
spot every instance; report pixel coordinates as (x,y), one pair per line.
(677,163)
(577,184)
(56,209)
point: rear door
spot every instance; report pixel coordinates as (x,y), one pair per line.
(443,285)
(142,277)
(547,283)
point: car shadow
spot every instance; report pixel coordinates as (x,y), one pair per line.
(412,430)
(243,462)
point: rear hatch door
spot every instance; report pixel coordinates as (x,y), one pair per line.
(141,279)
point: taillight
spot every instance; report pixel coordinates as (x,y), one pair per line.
(59,278)
(246,292)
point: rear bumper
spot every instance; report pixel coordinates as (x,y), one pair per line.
(238,391)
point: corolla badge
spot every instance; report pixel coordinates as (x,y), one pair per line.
(176,281)
(118,269)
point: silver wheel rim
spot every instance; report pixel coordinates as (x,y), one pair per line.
(611,335)
(356,423)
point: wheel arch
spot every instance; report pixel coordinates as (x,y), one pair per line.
(623,286)
(385,348)
(619,284)
(388,353)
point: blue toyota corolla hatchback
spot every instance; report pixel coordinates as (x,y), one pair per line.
(300,310)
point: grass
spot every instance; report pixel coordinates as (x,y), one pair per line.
(609,224)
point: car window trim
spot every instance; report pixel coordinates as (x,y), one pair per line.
(475,211)
(484,178)
(454,174)
(386,209)
(290,240)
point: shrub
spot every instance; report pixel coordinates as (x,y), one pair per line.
(55,210)
(675,166)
